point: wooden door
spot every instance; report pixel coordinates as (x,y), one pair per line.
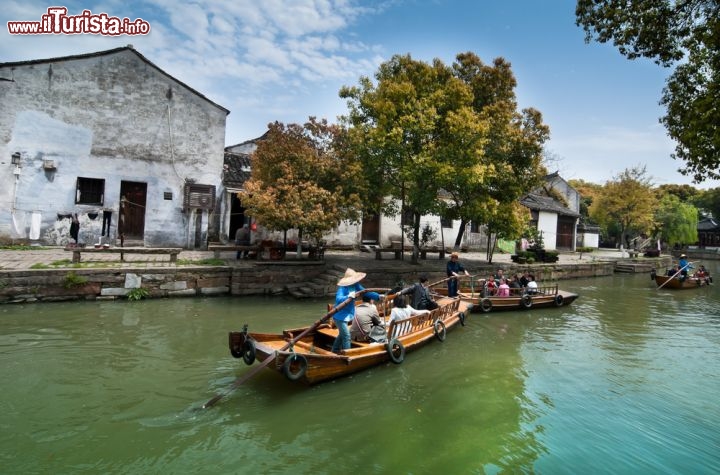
(565,232)
(133,196)
(370,233)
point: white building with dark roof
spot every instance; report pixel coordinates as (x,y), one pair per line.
(113,138)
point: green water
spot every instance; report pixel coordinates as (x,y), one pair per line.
(625,380)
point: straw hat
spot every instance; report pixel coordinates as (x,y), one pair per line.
(682,255)
(351,277)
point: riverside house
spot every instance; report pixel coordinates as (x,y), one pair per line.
(112,138)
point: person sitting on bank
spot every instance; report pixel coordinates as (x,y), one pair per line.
(366,316)
(242,238)
(421,298)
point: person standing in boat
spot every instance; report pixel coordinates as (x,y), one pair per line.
(421,298)
(366,316)
(453,270)
(684,266)
(348,287)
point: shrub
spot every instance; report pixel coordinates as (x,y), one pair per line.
(73,280)
(138,293)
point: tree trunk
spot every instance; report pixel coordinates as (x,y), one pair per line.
(416,238)
(298,248)
(490,245)
(461,232)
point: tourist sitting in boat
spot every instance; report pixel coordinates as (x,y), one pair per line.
(421,298)
(532,287)
(514,284)
(672,271)
(701,272)
(499,275)
(503,289)
(402,310)
(366,316)
(490,287)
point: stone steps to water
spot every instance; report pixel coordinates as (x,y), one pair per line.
(320,286)
(632,267)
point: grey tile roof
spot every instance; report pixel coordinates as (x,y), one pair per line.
(544,203)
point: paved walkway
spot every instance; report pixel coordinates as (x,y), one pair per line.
(51,258)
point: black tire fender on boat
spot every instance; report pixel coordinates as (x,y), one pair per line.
(559,300)
(486,305)
(653,274)
(461,317)
(394,346)
(440,330)
(248,351)
(526,301)
(302,366)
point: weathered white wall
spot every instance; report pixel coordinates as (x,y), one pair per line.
(547,224)
(113,117)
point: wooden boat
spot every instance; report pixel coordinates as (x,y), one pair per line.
(550,296)
(471,292)
(304,354)
(668,282)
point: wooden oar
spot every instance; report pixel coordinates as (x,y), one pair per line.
(272,357)
(674,275)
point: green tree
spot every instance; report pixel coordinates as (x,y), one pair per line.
(708,201)
(627,202)
(508,222)
(303,178)
(509,160)
(686,33)
(676,222)
(406,128)
(588,194)
(686,193)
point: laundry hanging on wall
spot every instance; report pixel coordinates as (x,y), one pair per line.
(35,222)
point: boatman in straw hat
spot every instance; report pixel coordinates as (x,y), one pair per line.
(684,265)
(348,286)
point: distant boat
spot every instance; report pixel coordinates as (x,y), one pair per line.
(519,299)
(675,283)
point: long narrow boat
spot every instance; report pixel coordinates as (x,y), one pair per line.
(544,297)
(668,282)
(309,359)
(471,292)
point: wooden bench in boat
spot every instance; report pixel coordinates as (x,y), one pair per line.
(170,251)
(218,248)
(313,348)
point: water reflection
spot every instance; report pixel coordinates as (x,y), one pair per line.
(623,379)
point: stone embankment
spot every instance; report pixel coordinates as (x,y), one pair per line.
(297,278)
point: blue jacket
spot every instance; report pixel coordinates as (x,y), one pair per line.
(346,313)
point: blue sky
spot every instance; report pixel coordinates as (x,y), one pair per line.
(287,59)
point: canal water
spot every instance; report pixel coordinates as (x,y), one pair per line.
(625,380)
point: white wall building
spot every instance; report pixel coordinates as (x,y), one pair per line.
(110,137)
